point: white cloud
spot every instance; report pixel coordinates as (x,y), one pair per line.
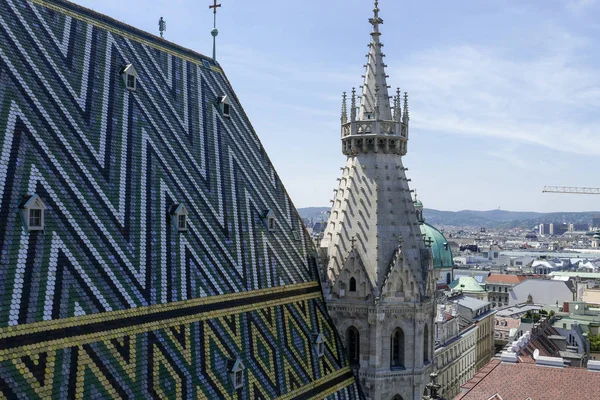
(546,97)
(579,6)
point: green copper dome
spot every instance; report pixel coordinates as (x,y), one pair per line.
(442,255)
(466,284)
(418,204)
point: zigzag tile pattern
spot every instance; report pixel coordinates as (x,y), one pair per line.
(108,164)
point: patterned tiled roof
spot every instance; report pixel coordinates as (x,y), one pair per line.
(505,279)
(113,296)
(521,381)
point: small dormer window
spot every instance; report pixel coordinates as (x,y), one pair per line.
(236,372)
(129,75)
(296,235)
(179,216)
(319,343)
(35,219)
(224,105)
(131,82)
(182,222)
(269,220)
(32,210)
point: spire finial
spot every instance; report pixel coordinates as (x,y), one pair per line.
(375,76)
(376,21)
(353,106)
(397,105)
(214,31)
(344,109)
(405,111)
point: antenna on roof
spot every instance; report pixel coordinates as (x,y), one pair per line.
(214,31)
(162,26)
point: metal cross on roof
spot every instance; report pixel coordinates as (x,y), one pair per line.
(353,240)
(214,6)
(214,32)
(428,241)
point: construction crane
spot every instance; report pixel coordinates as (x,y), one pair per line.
(570,189)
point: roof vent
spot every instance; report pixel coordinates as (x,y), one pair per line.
(556,362)
(594,365)
(509,357)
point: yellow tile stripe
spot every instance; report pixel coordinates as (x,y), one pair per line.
(128,35)
(319,382)
(333,389)
(150,326)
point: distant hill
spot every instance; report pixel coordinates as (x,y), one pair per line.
(488,219)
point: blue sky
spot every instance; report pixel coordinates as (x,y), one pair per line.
(504,95)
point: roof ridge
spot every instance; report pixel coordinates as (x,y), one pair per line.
(103,21)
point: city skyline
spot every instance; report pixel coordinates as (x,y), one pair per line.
(501,96)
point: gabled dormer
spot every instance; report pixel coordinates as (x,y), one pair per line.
(32,210)
(224,105)
(179,214)
(236,373)
(353,280)
(319,343)
(129,76)
(268,218)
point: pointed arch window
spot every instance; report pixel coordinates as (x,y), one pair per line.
(397,354)
(352,285)
(426,344)
(353,345)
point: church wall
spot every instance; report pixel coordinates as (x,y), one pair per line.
(111,297)
(376,325)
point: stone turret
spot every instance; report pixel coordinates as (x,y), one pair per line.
(377,270)
(375,130)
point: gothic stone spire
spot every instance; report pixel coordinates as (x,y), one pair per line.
(374,127)
(375,77)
